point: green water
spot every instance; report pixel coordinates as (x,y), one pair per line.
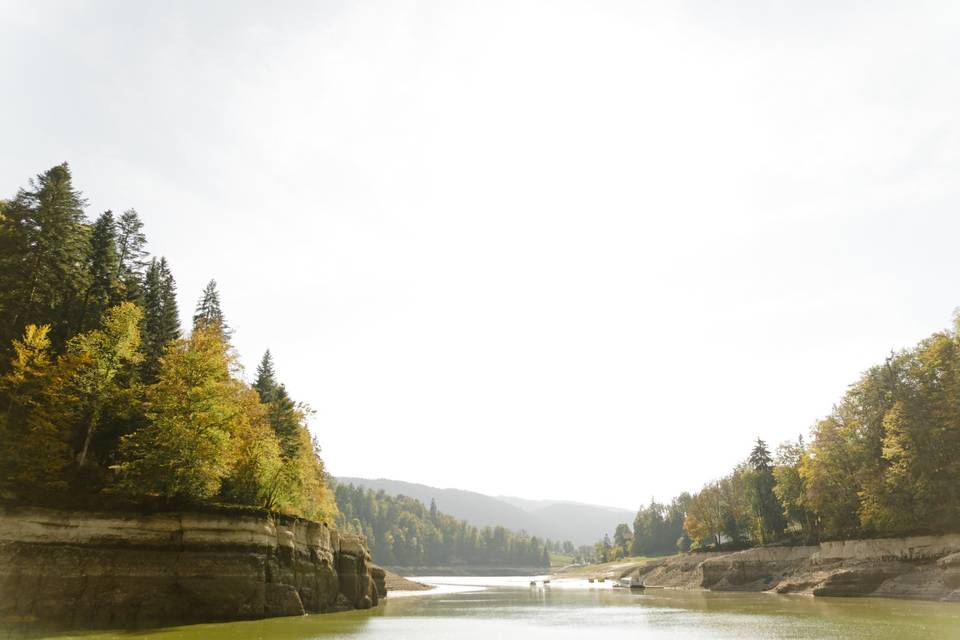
(507,608)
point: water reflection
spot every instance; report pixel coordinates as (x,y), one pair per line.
(508,608)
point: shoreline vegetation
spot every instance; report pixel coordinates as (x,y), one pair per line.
(884,463)
(105,402)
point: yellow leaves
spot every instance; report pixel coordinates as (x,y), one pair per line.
(32,351)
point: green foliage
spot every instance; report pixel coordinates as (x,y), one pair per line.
(104,397)
(886,461)
(657,527)
(185,450)
(99,356)
(402,531)
(766,507)
(208,314)
(131,245)
(43,250)
(161,318)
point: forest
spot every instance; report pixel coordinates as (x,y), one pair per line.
(884,462)
(402,531)
(106,400)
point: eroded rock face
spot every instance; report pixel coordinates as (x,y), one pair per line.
(926,567)
(121,570)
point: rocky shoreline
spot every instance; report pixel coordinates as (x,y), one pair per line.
(919,567)
(121,570)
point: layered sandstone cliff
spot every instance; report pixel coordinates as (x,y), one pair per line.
(926,567)
(85,569)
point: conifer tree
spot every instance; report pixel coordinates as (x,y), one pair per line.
(208,314)
(266,382)
(104,289)
(161,318)
(131,254)
(43,248)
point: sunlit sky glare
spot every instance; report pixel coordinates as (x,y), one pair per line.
(579,250)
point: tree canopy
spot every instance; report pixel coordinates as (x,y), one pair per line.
(101,396)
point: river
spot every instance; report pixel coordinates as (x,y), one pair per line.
(508,608)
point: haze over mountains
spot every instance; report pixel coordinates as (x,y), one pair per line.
(554,519)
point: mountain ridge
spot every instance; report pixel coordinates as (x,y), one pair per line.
(581,523)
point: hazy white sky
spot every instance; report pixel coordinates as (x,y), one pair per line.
(523,247)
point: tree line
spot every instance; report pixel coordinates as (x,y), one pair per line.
(104,398)
(402,531)
(884,462)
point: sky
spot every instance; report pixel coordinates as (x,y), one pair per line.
(569,250)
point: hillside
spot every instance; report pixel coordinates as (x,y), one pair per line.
(554,519)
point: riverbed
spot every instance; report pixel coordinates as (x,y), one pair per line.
(508,608)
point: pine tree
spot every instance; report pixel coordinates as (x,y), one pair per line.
(43,248)
(208,313)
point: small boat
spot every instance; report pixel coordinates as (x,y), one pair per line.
(533,583)
(590,580)
(630,583)
(546,582)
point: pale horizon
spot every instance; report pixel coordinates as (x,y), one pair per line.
(520,265)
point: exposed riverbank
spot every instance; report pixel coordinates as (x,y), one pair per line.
(919,567)
(103,569)
(395,582)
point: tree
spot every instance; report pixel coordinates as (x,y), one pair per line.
(43,247)
(266,381)
(827,476)
(622,538)
(34,453)
(208,314)
(100,355)
(767,509)
(104,289)
(790,489)
(704,519)
(186,448)
(131,253)
(161,318)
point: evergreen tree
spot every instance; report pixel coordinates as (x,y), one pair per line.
(266,382)
(161,318)
(765,505)
(208,314)
(43,248)
(131,254)
(104,289)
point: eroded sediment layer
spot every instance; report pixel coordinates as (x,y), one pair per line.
(926,567)
(84,569)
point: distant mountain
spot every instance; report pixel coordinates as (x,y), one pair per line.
(554,519)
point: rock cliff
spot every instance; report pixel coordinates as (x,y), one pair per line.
(85,569)
(926,567)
